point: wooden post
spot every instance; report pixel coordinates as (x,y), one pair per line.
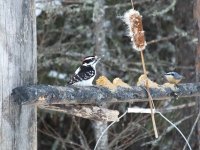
(197,19)
(18,66)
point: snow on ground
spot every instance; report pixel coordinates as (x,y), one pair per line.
(58,75)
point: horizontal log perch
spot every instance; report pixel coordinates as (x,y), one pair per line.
(46,94)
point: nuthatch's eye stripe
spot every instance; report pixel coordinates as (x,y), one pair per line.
(170,73)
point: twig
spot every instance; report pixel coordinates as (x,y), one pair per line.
(172,108)
(176,129)
(162,39)
(129,132)
(52,133)
(171,6)
(169,129)
(82,136)
(60,139)
(107,129)
(121,5)
(193,127)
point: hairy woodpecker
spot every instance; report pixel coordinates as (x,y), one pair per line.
(86,73)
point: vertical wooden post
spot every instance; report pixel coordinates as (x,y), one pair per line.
(18,66)
(197,19)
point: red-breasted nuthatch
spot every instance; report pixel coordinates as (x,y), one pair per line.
(173,77)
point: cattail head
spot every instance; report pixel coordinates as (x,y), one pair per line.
(134,21)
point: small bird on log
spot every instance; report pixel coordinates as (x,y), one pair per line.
(173,77)
(86,73)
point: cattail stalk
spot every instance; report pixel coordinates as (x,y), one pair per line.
(134,21)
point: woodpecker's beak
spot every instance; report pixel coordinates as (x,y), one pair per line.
(97,59)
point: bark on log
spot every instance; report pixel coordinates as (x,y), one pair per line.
(46,94)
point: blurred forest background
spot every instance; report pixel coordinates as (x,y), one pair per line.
(68,30)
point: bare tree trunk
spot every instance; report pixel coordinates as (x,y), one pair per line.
(197,18)
(100,50)
(18,66)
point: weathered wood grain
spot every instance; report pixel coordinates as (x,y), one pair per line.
(85,111)
(196,11)
(46,94)
(17,67)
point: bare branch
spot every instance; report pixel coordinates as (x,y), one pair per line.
(167,9)
(176,108)
(169,129)
(192,130)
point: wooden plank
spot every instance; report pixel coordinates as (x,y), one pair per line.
(18,66)
(46,94)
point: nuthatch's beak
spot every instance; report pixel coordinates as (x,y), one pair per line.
(163,75)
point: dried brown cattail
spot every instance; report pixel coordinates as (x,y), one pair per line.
(134,21)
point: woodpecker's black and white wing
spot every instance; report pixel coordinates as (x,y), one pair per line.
(77,70)
(83,76)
